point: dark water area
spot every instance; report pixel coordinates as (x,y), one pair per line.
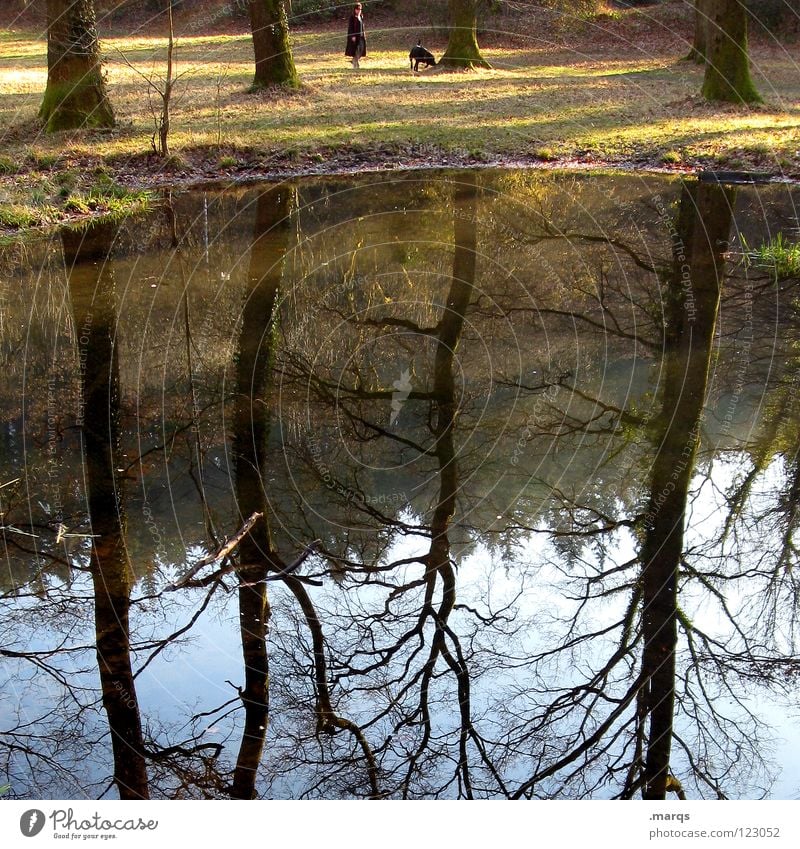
(410,485)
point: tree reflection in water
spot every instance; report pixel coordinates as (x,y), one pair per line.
(488,419)
(91,289)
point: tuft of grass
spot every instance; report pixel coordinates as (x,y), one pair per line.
(671,157)
(44,161)
(40,195)
(79,204)
(546,154)
(175,162)
(227,161)
(7,165)
(15,217)
(780,257)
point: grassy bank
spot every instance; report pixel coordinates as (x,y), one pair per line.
(614,90)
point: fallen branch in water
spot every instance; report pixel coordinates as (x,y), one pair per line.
(228,546)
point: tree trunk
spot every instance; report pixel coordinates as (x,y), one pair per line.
(462,46)
(728,68)
(697,53)
(702,233)
(251,432)
(76,95)
(91,289)
(270,27)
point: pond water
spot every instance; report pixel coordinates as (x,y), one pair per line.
(408,485)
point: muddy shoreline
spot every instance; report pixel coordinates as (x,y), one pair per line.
(193,170)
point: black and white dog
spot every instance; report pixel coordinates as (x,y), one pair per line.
(419,55)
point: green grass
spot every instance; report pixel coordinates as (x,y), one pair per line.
(780,257)
(15,217)
(595,95)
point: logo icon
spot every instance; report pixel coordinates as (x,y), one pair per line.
(31,822)
(402,388)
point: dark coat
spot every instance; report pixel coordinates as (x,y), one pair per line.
(355,27)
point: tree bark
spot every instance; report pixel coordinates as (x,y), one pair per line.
(462,46)
(274,62)
(91,287)
(728,68)
(702,232)
(76,95)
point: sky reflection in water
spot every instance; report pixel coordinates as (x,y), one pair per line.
(536,434)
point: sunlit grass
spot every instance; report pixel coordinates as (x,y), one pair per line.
(610,107)
(606,104)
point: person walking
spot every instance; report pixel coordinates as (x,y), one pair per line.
(356,37)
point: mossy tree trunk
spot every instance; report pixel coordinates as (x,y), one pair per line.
(462,46)
(274,62)
(727,68)
(697,53)
(76,94)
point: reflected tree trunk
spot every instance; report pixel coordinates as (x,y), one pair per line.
(450,329)
(251,433)
(702,231)
(439,565)
(91,286)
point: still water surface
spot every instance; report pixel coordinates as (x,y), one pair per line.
(522,453)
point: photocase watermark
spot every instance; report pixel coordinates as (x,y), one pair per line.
(686,456)
(65,825)
(533,421)
(743,351)
(309,318)
(679,256)
(32,822)
(53,440)
(426,150)
(324,471)
(130,701)
(393,499)
(83,354)
(152,527)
